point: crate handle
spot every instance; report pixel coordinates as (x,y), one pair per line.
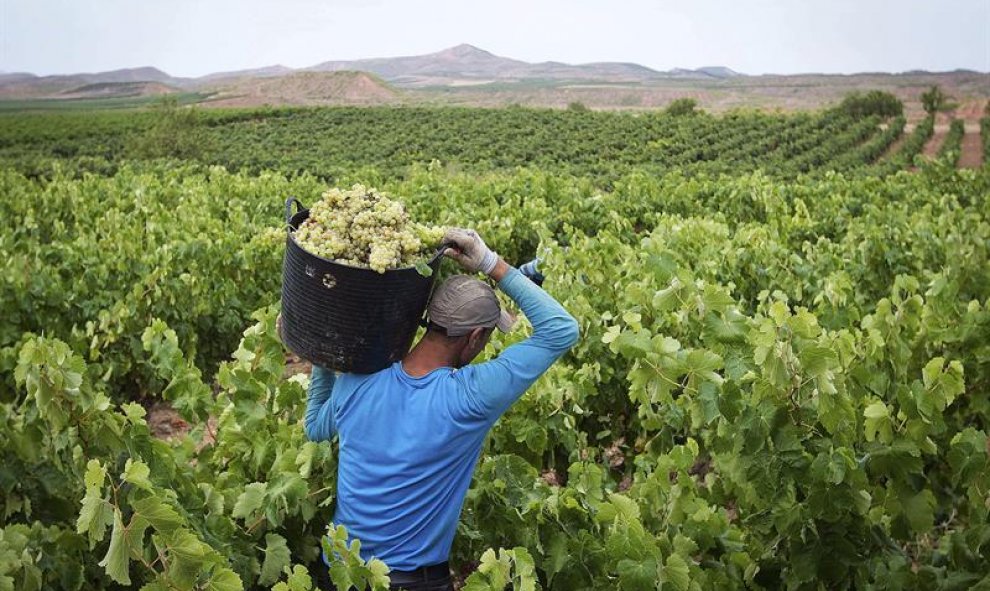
(288,208)
(443,246)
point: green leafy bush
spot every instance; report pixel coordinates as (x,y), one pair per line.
(681,107)
(873,102)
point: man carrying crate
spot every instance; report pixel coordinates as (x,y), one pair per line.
(411,434)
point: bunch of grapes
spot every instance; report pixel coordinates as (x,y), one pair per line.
(364,228)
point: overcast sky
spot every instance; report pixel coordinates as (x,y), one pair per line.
(196,37)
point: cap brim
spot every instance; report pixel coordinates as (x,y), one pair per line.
(505,321)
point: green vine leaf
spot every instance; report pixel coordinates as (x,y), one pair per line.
(277,558)
(116,560)
(249,501)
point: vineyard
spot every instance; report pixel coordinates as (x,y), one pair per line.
(781,382)
(332,143)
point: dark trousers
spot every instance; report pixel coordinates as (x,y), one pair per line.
(414,581)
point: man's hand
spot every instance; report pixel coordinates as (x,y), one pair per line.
(278,327)
(470,251)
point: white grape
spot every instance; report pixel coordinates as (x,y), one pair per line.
(362,227)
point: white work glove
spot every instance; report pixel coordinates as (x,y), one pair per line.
(470,250)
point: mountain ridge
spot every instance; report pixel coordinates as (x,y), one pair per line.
(449,66)
(468,75)
(465,62)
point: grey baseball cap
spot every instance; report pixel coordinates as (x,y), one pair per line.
(463,303)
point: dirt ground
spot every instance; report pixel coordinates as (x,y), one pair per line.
(165,423)
(895,147)
(972,147)
(294,365)
(935,142)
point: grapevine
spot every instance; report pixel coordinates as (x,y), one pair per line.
(781,382)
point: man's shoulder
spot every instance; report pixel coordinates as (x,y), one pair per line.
(356,379)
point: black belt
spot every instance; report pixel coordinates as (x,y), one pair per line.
(423,574)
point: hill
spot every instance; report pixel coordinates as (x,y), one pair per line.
(117,90)
(453,67)
(457,62)
(466,63)
(305,88)
(468,75)
(23,85)
(265,72)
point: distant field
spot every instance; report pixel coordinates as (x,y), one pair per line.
(769,92)
(787,93)
(88,104)
(333,142)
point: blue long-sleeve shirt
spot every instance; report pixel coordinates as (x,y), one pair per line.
(408,446)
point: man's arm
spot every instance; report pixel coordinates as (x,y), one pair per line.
(493,386)
(320,424)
